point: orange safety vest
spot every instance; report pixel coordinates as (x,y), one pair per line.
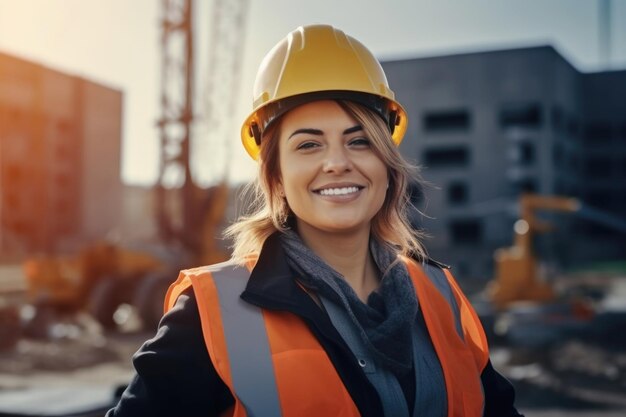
(305,378)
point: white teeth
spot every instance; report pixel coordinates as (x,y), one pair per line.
(339,191)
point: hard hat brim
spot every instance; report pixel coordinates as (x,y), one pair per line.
(270,112)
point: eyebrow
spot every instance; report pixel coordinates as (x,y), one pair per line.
(353,129)
(318,132)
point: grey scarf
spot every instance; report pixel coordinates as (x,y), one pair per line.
(386,321)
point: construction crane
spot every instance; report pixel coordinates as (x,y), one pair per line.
(183,207)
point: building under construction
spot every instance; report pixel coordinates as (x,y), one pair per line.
(487,126)
(60,139)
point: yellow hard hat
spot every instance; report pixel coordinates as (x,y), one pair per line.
(314,63)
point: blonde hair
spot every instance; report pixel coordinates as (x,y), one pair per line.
(270,212)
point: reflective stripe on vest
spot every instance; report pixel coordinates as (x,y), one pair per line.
(303,376)
(259,400)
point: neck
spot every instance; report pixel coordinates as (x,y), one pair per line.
(346,253)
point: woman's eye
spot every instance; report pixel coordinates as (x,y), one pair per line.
(360,142)
(306,145)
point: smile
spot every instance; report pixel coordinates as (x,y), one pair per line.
(339,191)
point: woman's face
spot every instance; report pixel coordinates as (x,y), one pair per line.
(332,178)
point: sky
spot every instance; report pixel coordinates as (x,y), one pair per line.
(116,43)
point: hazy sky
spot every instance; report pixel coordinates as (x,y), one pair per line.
(116,42)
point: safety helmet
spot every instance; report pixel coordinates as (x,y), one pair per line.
(318,62)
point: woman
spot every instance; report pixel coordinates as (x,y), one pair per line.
(321,311)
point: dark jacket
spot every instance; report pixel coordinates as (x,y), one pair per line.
(175,375)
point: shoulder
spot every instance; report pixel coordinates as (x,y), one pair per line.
(227,266)
(228,269)
(424,261)
(432,262)
(424,265)
(196,277)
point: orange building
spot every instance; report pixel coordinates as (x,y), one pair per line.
(60,141)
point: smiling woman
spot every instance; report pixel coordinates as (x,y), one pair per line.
(329,306)
(334,182)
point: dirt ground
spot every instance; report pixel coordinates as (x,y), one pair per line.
(581,381)
(574,379)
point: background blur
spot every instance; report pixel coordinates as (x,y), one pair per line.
(120,163)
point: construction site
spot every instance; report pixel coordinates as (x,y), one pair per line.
(526,201)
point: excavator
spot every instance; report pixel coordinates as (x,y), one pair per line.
(516,266)
(522,308)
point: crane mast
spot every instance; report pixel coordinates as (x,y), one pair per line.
(183,206)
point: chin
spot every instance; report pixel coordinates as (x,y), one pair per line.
(342,227)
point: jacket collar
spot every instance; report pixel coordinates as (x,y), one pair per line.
(272,283)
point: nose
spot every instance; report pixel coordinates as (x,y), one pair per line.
(337,160)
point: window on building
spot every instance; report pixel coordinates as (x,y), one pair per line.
(466,231)
(526,153)
(446,157)
(598,167)
(450,120)
(524,185)
(557,118)
(598,133)
(521,115)
(458,193)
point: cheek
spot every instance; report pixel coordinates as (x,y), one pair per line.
(289,182)
(379,172)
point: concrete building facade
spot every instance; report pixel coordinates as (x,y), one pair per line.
(60,141)
(487,126)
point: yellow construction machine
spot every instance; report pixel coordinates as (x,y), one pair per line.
(516,270)
(523,307)
(105,276)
